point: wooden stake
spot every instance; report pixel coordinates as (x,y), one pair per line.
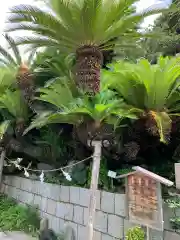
(148,233)
(94,184)
(2,157)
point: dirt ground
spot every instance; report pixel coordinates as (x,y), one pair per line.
(15,236)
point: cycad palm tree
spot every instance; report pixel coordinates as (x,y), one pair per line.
(85,27)
(7,82)
(151,92)
(13,109)
(14,119)
(13,102)
(14,60)
(90,116)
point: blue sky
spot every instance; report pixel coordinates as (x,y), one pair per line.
(142,4)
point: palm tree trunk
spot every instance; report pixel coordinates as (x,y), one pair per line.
(26,84)
(88,66)
(20,126)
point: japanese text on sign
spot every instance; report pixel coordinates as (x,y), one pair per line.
(142,197)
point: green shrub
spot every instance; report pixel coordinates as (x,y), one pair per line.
(15,217)
(174,204)
(135,233)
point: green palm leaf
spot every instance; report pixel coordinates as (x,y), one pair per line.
(163,122)
(149,91)
(58,64)
(3,128)
(50,118)
(74,23)
(123,78)
(14,103)
(60,93)
(8,58)
(144,85)
(173,103)
(14,48)
(31,57)
(7,78)
(75,108)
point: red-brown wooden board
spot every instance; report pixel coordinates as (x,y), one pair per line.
(144,200)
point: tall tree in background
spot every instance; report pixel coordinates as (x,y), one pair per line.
(174,18)
(168,24)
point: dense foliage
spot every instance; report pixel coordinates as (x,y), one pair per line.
(168,43)
(67,94)
(14,217)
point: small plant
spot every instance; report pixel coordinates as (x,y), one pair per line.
(14,217)
(135,233)
(174,204)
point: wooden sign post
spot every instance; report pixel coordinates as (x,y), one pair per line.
(143,198)
(94,184)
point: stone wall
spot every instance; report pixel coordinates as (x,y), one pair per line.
(62,204)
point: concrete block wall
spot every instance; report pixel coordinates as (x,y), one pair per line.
(63,204)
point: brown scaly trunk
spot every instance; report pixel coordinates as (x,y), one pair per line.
(25,83)
(88,66)
(20,126)
(131,150)
(94,130)
(151,124)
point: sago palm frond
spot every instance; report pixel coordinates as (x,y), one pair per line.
(52,61)
(31,57)
(163,122)
(11,59)
(149,91)
(59,92)
(3,128)
(102,108)
(13,102)
(14,48)
(149,86)
(6,58)
(71,24)
(7,78)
